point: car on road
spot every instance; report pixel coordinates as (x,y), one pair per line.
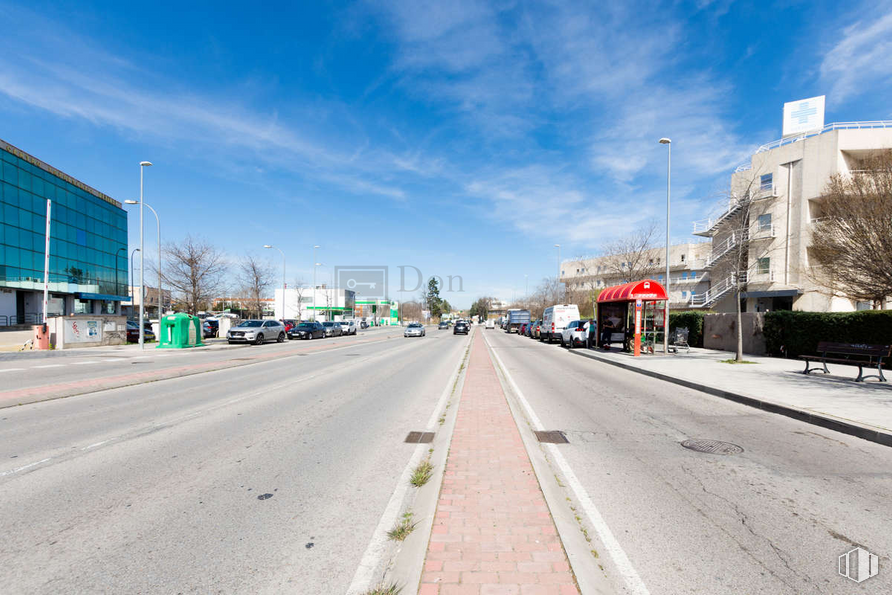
(524,328)
(133,333)
(207,330)
(363,324)
(490,323)
(575,334)
(307,330)
(461,327)
(348,327)
(257,332)
(415,329)
(443,326)
(289,324)
(214,324)
(332,329)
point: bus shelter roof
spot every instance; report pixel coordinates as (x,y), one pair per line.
(646,290)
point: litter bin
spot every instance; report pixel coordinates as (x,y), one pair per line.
(41,337)
(179,331)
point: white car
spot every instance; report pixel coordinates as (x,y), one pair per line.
(490,323)
(555,319)
(575,334)
(348,327)
(414,330)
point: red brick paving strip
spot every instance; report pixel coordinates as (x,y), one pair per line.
(493,533)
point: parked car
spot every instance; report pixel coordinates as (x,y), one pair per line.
(348,327)
(575,334)
(490,323)
(461,327)
(524,328)
(363,324)
(257,332)
(332,329)
(307,330)
(443,325)
(207,330)
(555,319)
(133,333)
(289,324)
(214,324)
(415,329)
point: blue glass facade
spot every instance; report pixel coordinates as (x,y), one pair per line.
(88,233)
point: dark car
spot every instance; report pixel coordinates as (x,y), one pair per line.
(214,325)
(207,330)
(443,325)
(461,327)
(133,333)
(307,330)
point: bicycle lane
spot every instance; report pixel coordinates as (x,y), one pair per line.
(493,532)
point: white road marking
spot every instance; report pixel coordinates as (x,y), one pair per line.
(86,363)
(94,445)
(364,578)
(28,466)
(49,366)
(620,558)
(12,370)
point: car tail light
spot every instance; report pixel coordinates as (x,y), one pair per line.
(552,327)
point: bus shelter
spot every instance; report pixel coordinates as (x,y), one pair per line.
(633,313)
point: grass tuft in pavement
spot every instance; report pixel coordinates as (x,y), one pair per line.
(402,530)
(390,589)
(422,473)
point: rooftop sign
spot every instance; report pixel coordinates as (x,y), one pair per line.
(804,115)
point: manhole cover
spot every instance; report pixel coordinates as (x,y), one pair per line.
(716,447)
(420,437)
(552,437)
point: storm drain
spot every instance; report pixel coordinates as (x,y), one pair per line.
(716,447)
(552,437)
(419,437)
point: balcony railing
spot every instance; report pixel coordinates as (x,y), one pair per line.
(763,232)
(720,250)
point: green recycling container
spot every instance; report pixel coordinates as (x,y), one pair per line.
(179,331)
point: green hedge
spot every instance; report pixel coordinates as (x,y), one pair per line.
(693,320)
(791,334)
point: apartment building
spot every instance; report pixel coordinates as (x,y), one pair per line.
(689,278)
(781,188)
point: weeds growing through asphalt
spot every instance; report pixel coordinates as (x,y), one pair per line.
(402,530)
(422,473)
(390,589)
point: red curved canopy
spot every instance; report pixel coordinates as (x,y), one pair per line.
(648,290)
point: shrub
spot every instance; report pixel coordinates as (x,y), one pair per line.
(791,334)
(693,320)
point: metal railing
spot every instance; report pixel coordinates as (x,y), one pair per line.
(724,248)
(763,232)
(711,295)
(14,320)
(827,128)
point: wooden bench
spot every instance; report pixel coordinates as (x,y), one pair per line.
(855,355)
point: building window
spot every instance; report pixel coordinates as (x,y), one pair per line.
(684,295)
(766,182)
(682,258)
(765,222)
(764,265)
(693,276)
(684,275)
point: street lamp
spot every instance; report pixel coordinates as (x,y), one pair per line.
(668,143)
(158,221)
(132,254)
(558,246)
(283,277)
(315,264)
(142,257)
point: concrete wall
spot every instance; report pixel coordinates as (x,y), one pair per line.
(108,329)
(720,332)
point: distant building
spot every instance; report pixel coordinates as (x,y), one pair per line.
(325,304)
(130,307)
(88,243)
(687,262)
(787,178)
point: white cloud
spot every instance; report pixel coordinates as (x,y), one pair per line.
(861,56)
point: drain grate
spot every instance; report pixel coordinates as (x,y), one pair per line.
(715,447)
(419,437)
(552,437)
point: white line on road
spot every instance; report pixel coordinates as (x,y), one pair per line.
(94,445)
(364,578)
(624,565)
(49,366)
(12,370)
(86,363)
(28,466)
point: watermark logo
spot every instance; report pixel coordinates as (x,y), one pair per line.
(858,565)
(369,282)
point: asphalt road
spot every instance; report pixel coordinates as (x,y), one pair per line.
(771,520)
(264,478)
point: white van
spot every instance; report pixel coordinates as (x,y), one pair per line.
(555,319)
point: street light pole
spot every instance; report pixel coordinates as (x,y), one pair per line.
(132,254)
(315,264)
(158,222)
(283,277)
(558,246)
(142,258)
(668,142)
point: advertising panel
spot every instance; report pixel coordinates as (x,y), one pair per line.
(79,330)
(804,115)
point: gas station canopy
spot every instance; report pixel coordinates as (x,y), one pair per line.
(647,290)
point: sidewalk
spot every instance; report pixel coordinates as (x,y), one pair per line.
(833,401)
(492,533)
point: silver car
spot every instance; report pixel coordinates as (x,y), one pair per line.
(257,332)
(332,329)
(414,330)
(348,327)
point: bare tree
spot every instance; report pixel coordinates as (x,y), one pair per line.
(633,257)
(299,290)
(194,270)
(852,239)
(256,277)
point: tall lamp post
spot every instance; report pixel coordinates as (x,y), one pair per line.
(558,246)
(283,276)
(132,254)
(158,222)
(668,143)
(142,258)
(315,264)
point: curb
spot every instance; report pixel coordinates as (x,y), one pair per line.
(829,423)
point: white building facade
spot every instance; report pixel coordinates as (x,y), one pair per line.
(321,304)
(785,180)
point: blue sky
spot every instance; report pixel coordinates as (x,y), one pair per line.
(463,138)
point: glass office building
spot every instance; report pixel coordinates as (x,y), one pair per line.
(88,243)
